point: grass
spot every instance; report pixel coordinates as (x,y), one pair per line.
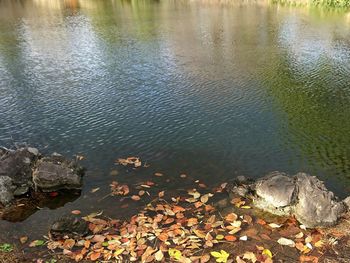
(320,3)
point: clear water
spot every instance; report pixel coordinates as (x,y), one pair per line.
(207,88)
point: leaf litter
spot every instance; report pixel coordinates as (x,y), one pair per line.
(185,229)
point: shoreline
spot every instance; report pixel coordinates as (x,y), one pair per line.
(198,224)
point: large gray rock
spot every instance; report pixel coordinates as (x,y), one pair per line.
(316,206)
(302,195)
(277,189)
(6,190)
(55,173)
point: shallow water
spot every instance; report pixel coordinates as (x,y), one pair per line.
(207,89)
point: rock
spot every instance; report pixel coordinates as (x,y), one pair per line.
(346,201)
(69,225)
(17,165)
(276,189)
(316,205)
(240,190)
(6,190)
(302,195)
(56,173)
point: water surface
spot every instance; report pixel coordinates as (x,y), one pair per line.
(204,88)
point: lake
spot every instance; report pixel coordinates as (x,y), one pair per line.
(212,89)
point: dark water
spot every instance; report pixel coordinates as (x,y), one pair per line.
(207,89)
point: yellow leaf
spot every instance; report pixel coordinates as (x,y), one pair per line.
(219,237)
(118,252)
(221,256)
(245,207)
(267,252)
(174,253)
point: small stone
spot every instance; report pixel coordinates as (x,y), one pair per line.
(21,190)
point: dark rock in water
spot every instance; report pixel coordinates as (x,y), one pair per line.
(6,190)
(55,173)
(302,195)
(69,225)
(16,165)
(17,178)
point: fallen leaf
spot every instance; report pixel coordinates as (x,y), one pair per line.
(94,190)
(273,225)
(267,252)
(76,212)
(230,238)
(250,256)
(158,174)
(286,242)
(221,256)
(159,255)
(95,255)
(135,197)
(174,253)
(23,239)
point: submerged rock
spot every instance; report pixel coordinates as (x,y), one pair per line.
(56,173)
(6,190)
(302,195)
(69,225)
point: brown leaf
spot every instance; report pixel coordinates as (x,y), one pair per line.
(205,258)
(23,239)
(161,194)
(158,174)
(95,256)
(192,221)
(231,217)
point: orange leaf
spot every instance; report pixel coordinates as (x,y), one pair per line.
(94,256)
(230,238)
(135,197)
(163,237)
